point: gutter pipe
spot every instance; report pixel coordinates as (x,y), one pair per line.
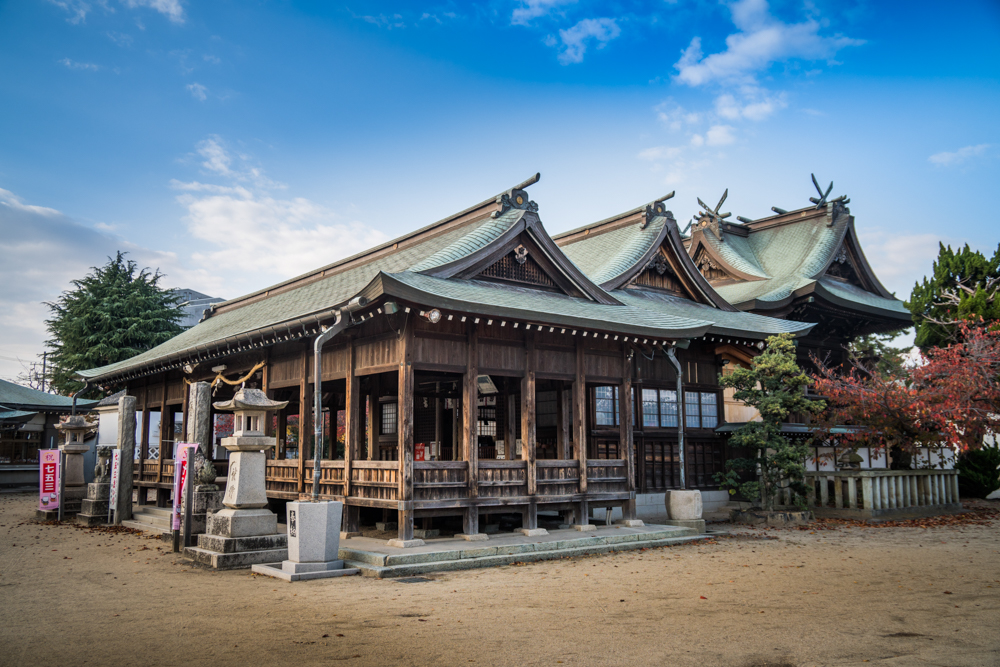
(86,386)
(343,321)
(671,354)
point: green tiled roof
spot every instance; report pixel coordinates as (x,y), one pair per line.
(394,269)
(15,397)
(792,256)
(607,255)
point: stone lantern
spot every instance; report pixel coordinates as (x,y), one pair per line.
(245,532)
(74,430)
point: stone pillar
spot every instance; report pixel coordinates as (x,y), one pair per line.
(205,496)
(94,509)
(126,443)
(199,421)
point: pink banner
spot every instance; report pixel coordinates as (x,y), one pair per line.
(48,479)
(184,450)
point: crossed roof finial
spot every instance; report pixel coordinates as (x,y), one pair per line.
(711,218)
(821,202)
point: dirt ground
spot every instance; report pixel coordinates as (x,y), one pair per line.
(831,595)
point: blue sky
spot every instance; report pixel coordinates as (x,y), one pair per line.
(233,145)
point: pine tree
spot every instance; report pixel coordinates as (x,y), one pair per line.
(775,385)
(962,286)
(112,314)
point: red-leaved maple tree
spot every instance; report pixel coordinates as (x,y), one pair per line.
(952,398)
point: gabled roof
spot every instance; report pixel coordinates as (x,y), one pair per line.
(442,265)
(775,260)
(18,398)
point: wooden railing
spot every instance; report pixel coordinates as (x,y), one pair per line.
(871,493)
(557,477)
(375,480)
(440,480)
(503,479)
(331,478)
(607,476)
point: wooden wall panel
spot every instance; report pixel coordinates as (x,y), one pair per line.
(175,391)
(438,351)
(334,361)
(285,370)
(154,395)
(381,352)
(494,357)
(557,361)
(603,366)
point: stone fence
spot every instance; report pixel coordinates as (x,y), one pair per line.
(867,494)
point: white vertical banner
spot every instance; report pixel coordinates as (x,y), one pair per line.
(116,464)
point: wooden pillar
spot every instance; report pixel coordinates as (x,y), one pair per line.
(352,437)
(470,428)
(163,433)
(265,386)
(528,429)
(510,423)
(580,418)
(626,448)
(282,433)
(305,417)
(563,424)
(404,429)
(184,408)
(373,417)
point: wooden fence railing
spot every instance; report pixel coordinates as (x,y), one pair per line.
(607,476)
(440,480)
(375,480)
(557,477)
(503,479)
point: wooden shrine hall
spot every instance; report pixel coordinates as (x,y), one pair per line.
(479,367)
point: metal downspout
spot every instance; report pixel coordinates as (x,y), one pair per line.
(86,386)
(671,354)
(343,321)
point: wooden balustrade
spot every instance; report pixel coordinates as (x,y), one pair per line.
(503,479)
(374,481)
(440,480)
(873,493)
(607,476)
(557,477)
(331,479)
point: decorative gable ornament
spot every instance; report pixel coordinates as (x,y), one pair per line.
(654,209)
(833,206)
(514,198)
(521,254)
(658,263)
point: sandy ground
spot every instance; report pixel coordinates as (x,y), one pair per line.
(850,595)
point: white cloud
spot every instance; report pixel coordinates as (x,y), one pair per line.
(952,159)
(72,64)
(719,135)
(172,9)
(759,106)
(198,91)
(761,41)
(697,140)
(659,153)
(532,9)
(674,116)
(383,21)
(900,260)
(576,39)
(77,9)
(253,231)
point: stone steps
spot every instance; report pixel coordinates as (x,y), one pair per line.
(379,565)
(150,519)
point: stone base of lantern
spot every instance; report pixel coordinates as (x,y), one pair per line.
(238,539)
(313,544)
(94,508)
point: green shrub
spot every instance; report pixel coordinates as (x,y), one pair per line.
(978,475)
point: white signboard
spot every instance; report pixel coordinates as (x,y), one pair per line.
(116,463)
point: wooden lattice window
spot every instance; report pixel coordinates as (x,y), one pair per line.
(510,269)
